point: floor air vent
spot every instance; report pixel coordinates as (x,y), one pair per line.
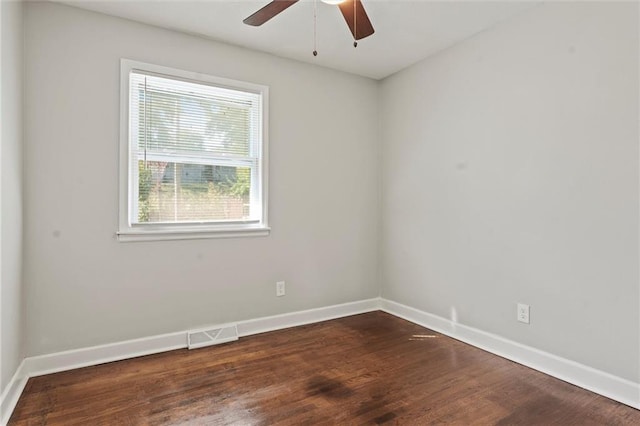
(212,336)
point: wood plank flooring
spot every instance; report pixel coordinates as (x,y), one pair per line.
(366,369)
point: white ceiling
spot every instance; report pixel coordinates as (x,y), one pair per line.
(406,31)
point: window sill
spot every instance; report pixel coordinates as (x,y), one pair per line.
(132,235)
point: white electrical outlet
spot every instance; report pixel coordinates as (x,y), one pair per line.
(523,313)
(280,290)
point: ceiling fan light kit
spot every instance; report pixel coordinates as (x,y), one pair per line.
(352,10)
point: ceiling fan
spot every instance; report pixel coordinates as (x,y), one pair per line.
(352,10)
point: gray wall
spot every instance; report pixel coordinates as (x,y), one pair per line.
(85,288)
(510,174)
(11,308)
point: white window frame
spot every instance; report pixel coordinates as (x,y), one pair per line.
(180,231)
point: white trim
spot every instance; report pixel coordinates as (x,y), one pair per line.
(600,382)
(94,355)
(126,231)
(193,234)
(78,358)
(295,319)
(11,395)
(597,381)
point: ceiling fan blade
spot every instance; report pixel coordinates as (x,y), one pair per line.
(268,12)
(362,24)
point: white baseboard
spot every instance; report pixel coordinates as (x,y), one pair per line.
(616,388)
(605,384)
(294,319)
(78,358)
(12,392)
(94,355)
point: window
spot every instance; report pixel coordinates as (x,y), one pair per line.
(193,155)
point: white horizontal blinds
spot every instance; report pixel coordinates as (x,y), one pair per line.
(195,151)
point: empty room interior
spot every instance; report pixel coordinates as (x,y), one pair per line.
(319,212)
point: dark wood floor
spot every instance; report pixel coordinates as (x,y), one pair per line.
(365,369)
